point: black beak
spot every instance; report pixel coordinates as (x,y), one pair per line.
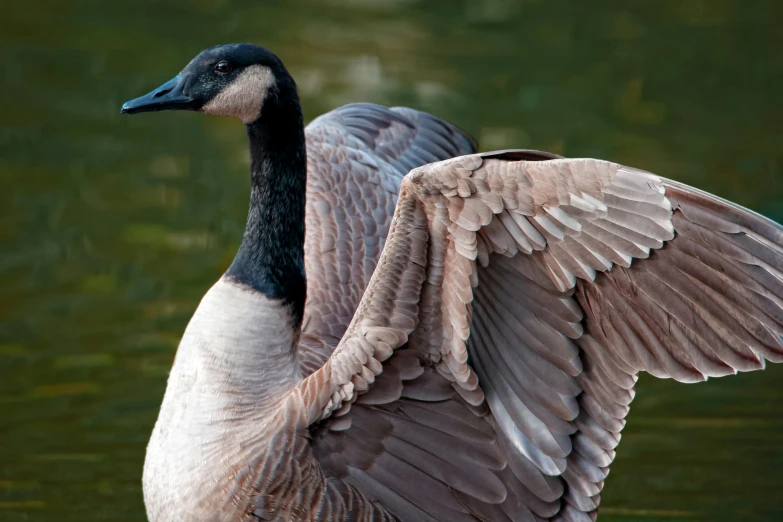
(169,96)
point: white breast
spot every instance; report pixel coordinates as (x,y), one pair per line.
(234,363)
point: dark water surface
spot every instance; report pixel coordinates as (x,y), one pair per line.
(112,228)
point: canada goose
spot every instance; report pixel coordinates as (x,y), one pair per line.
(486,370)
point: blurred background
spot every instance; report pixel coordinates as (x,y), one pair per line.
(112,228)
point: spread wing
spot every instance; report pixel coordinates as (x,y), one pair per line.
(490,365)
(357,156)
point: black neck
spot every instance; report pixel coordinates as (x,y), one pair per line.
(271,257)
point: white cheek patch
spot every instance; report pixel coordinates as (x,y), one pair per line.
(243,97)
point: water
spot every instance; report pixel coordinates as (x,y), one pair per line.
(111,228)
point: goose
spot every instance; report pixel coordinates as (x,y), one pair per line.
(414,331)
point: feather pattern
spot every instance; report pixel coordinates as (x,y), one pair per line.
(547,286)
(357,157)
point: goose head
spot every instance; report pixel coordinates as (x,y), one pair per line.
(225,80)
(250,83)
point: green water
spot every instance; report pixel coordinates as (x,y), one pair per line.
(111,228)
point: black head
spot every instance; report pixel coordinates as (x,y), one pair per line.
(225,80)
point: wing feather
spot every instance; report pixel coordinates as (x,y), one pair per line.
(357,156)
(533,291)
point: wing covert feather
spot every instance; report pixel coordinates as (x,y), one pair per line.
(523,297)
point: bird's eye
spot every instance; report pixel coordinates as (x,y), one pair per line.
(223,67)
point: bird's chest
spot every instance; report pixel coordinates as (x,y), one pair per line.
(224,473)
(225,404)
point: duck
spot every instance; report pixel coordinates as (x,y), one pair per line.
(412,330)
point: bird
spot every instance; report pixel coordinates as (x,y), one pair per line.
(412,330)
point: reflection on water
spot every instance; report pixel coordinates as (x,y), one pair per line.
(112,228)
